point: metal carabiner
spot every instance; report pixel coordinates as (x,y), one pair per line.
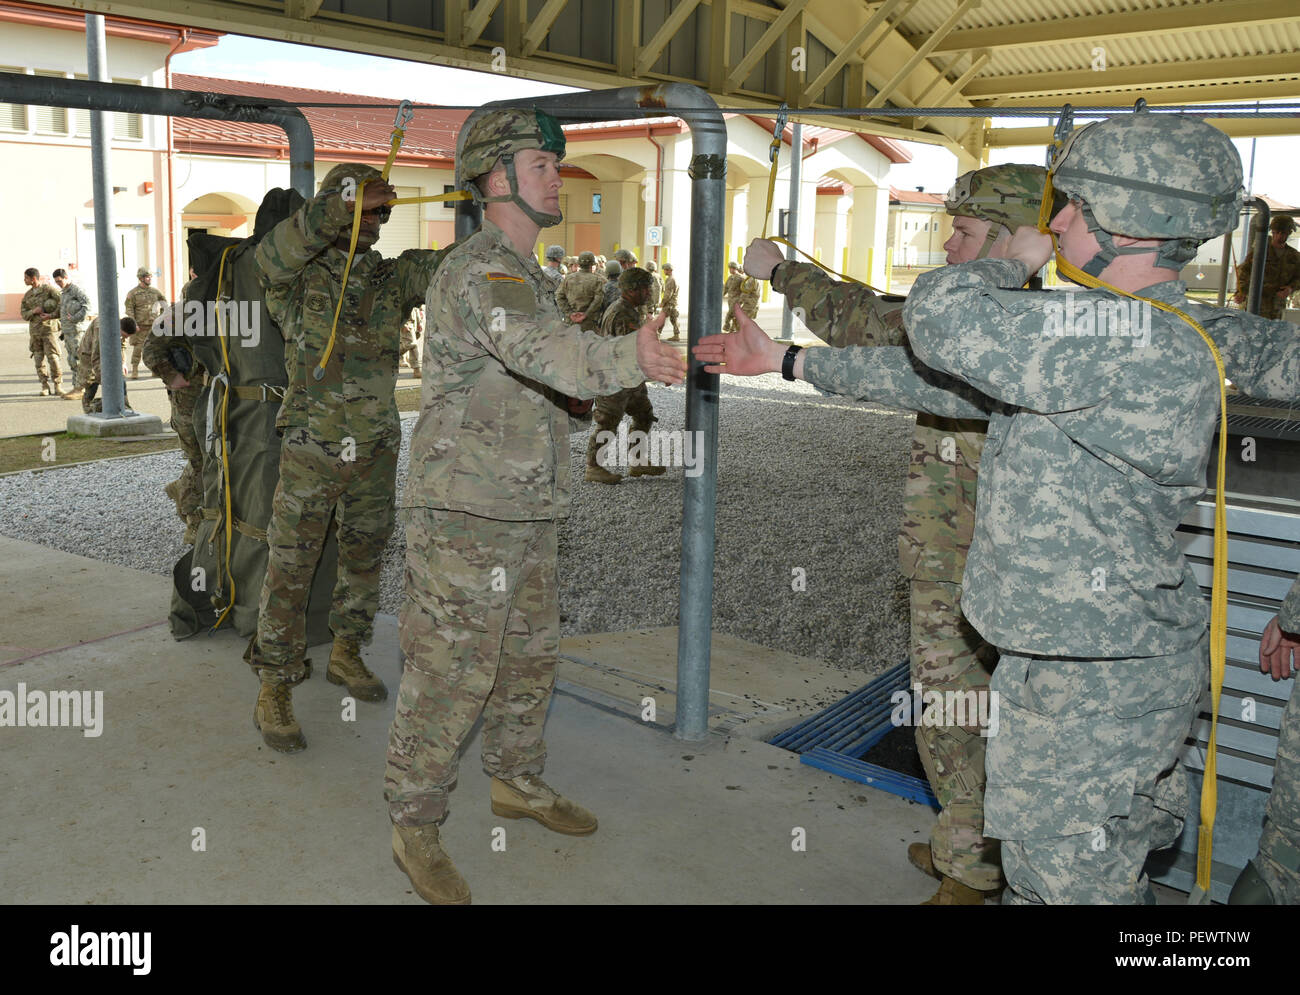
(778,132)
(404,114)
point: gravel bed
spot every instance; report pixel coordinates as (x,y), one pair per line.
(804,481)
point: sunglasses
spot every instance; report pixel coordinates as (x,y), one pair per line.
(383,211)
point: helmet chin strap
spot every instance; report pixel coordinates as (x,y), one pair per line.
(1109,250)
(533,215)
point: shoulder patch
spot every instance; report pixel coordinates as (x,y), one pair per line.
(505,276)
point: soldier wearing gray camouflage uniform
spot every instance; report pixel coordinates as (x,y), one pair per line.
(74,319)
(489,479)
(581,297)
(947,654)
(143,303)
(624,318)
(1096,450)
(40,309)
(341,433)
(553,270)
(610,290)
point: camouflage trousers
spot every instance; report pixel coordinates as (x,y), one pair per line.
(43,346)
(609,411)
(137,342)
(409,344)
(91,404)
(948,655)
(1279,846)
(671,316)
(190,500)
(729,315)
(480,630)
(316,484)
(71,336)
(1083,778)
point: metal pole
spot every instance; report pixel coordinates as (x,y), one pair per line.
(1261,257)
(708,172)
(1225,255)
(792,229)
(110,340)
(19,88)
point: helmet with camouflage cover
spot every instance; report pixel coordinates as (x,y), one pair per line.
(1144,175)
(634,278)
(498,136)
(625,256)
(355,171)
(586,259)
(555,252)
(1007,196)
(612,269)
(142,272)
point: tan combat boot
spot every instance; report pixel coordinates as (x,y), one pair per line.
(74,395)
(173,491)
(273,718)
(346,668)
(919,856)
(645,471)
(953,892)
(529,797)
(418,852)
(597,474)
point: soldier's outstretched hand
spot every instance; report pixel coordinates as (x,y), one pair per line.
(1279,651)
(658,360)
(746,352)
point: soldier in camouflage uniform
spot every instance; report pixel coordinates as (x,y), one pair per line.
(341,433)
(143,303)
(412,337)
(730,291)
(624,318)
(552,270)
(88,361)
(1273,876)
(747,296)
(1281,270)
(74,319)
(656,287)
(947,654)
(610,290)
(40,309)
(163,350)
(581,297)
(670,300)
(1097,448)
(489,479)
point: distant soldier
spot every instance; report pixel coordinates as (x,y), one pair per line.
(610,290)
(730,292)
(143,304)
(88,361)
(622,318)
(412,340)
(168,356)
(625,258)
(553,270)
(341,431)
(1281,270)
(656,286)
(40,309)
(747,296)
(74,318)
(670,300)
(581,297)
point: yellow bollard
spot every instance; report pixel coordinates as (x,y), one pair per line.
(871,255)
(889,268)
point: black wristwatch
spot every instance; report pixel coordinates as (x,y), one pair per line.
(787,364)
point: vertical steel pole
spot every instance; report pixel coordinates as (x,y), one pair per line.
(792,229)
(110,339)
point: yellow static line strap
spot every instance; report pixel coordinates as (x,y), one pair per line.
(225,451)
(454,195)
(820,265)
(1219,589)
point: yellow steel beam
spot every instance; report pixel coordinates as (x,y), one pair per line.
(1160,20)
(650,52)
(849,49)
(537,33)
(719,45)
(774,31)
(886,91)
(302,10)
(1180,73)
(477,21)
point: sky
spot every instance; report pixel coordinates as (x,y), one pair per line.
(932,167)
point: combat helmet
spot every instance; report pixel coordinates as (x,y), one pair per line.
(355,171)
(1007,196)
(555,252)
(499,135)
(634,278)
(587,259)
(1144,175)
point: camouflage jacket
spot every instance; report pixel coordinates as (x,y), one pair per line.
(940,490)
(41,297)
(621,318)
(656,292)
(167,336)
(1288,618)
(554,276)
(300,269)
(1095,453)
(88,354)
(732,287)
(611,293)
(1281,269)
(143,304)
(493,434)
(582,292)
(747,295)
(670,293)
(74,305)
